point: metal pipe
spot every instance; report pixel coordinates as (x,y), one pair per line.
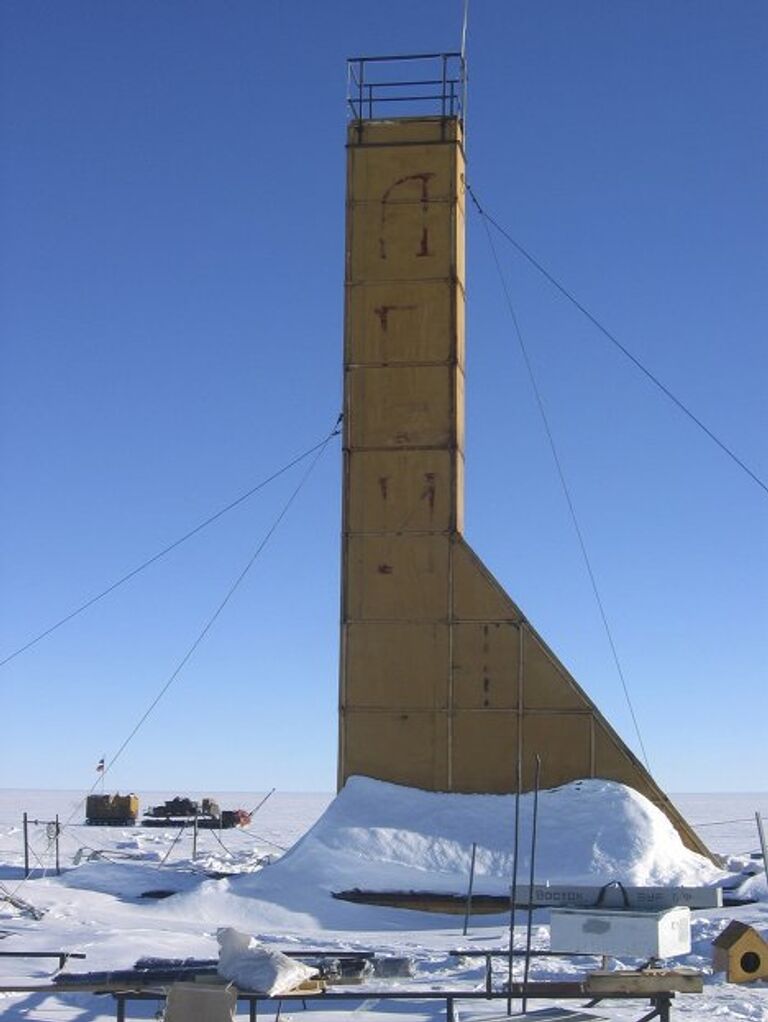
(360,92)
(536,780)
(393,58)
(469,890)
(26,845)
(513,899)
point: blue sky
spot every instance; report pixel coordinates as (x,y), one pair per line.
(171,215)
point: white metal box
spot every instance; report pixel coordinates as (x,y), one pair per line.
(611,932)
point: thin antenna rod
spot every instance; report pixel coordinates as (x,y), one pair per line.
(463,68)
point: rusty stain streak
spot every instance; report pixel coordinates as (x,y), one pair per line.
(385,569)
(383,311)
(385,199)
(383,481)
(423,176)
(428,492)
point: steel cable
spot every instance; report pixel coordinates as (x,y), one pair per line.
(566,491)
(161,553)
(488,219)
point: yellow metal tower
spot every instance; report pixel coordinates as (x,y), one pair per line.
(443,679)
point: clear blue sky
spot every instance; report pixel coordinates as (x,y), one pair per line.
(171,216)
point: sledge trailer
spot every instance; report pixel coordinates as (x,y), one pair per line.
(112,810)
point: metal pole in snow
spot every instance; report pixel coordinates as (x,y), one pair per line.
(194,838)
(268,795)
(761,833)
(536,781)
(469,891)
(513,900)
(58,831)
(26,845)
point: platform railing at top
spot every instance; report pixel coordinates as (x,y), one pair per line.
(435,86)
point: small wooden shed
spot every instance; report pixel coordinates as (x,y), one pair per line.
(741,953)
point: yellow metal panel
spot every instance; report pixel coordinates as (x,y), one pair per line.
(400,578)
(564,743)
(460,268)
(612,761)
(397,663)
(484,750)
(399,240)
(486,660)
(401,322)
(399,491)
(405,747)
(415,173)
(439,631)
(461,313)
(397,131)
(477,596)
(399,407)
(459,490)
(546,683)
(458,397)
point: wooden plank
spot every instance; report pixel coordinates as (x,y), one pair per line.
(649,981)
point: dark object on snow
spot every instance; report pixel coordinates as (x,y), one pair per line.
(185,812)
(343,967)
(111,810)
(393,968)
(427,901)
(180,806)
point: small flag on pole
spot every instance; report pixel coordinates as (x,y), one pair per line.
(100,766)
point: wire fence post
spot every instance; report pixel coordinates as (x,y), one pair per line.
(468,911)
(26,845)
(761,835)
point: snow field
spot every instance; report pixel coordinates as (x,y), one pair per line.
(377,836)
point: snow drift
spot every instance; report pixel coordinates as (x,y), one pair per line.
(378,836)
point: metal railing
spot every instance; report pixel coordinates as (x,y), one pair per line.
(434,85)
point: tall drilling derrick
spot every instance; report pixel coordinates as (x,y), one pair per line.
(443,680)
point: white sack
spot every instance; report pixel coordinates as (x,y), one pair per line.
(251,966)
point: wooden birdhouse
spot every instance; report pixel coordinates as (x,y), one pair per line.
(741,953)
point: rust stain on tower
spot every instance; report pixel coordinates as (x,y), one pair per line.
(442,677)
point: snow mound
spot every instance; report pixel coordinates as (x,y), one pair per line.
(380,836)
(128,880)
(377,836)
